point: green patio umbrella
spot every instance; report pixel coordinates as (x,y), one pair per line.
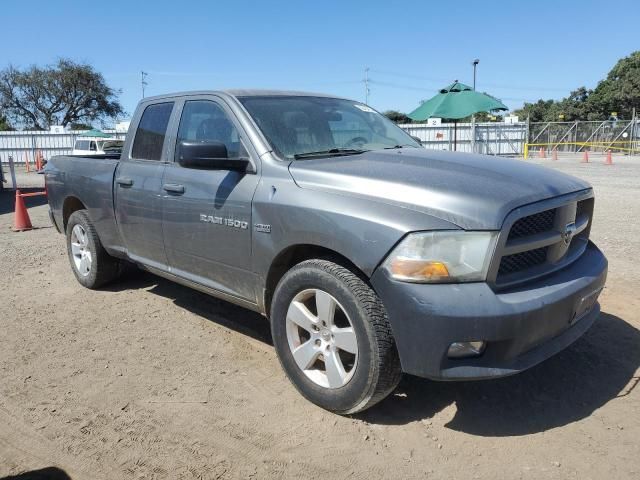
(455,102)
(95,133)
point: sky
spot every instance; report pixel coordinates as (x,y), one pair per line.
(527,49)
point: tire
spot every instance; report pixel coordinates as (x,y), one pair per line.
(98,267)
(368,375)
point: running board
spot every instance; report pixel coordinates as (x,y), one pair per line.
(204,289)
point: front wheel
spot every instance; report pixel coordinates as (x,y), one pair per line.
(333,338)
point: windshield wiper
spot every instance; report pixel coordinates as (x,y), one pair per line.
(333,152)
(399,146)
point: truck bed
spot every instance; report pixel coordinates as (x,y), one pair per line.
(88,178)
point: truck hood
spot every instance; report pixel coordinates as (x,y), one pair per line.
(474,192)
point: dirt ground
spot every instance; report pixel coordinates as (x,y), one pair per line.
(146,379)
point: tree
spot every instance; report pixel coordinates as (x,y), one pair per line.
(574,107)
(536,112)
(4,124)
(619,92)
(483,117)
(80,126)
(64,93)
(397,117)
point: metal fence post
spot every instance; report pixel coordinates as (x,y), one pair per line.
(526,138)
(33,147)
(632,133)
(473,134)
(12,170)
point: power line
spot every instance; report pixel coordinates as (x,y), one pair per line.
(422,89)
(415,77)
(404,87)
(439,81)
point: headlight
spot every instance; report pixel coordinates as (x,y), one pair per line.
(442,257)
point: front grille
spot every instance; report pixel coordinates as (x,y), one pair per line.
(522,261)
(532,224)
(584,207)
(535,243)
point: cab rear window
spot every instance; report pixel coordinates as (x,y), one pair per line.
(151,132)
(82,145)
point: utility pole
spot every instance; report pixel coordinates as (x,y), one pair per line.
(475,64)
(143,81)
(366,86)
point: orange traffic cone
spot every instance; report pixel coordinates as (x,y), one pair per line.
(38,161)
(26,162)
(554,154)
(542,153)
(585,157)
(21,220)
(609,160)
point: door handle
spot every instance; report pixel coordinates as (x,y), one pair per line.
(124,181)
(173,188)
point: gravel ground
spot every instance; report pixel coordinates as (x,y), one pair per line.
(150,380)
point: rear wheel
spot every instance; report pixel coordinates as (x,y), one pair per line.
(333,338)
(91,264)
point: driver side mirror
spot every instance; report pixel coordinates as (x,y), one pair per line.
(208,155)
(417,139)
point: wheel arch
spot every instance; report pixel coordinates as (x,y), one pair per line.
(71,204)
(295,254)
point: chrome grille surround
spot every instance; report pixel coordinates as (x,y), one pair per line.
(538,246)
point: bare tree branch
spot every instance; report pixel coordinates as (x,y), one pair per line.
(65,93)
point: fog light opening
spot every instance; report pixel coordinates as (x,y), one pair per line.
(466,349)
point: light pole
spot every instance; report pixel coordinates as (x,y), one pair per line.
(475,64)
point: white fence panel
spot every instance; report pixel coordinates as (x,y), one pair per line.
(20,145)
(489,138)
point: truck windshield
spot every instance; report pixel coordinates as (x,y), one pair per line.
(304,127)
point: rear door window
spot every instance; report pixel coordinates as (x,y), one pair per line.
(151,131)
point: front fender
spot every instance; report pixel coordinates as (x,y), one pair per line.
(358,229)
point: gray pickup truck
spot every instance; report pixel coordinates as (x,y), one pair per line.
(369,254)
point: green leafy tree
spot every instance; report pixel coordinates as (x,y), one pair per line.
(60,94)
(536,112)
(574,107)
(397,117)
(619,92)
(4,124)
(80,126)
(483,117)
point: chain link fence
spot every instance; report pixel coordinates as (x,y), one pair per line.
(617,135)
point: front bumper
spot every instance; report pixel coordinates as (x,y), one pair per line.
(522,326)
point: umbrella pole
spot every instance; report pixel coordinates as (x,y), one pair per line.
(455,135)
